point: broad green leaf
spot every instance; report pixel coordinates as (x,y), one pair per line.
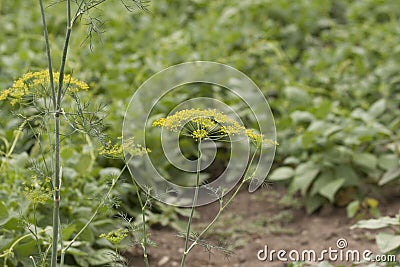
(390,176)
(377,223)
(87,234)
(301,117)
(387,242)
(291,160)
(324,178)
(366,160)
(317,126)
(26,247)
(308,139)
(297,96)
(332,130)
(13,223)
(68,231)
(102,257)
(361,114)
(304,176)
(388,161)
(352,208)
(281,173)
(3,213)
(312,203)
(331,188)
(347,172)
(377,108)
(76,252)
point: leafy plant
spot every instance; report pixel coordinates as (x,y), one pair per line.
(40,96)
(209,124)
(388,242)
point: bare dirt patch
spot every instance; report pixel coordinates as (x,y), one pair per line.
(256,220)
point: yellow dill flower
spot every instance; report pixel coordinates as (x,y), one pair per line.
(129,146)
(201,124)
(116,236)
(37,192)
(209,124)
(36,83)
(258,139)
(200,134)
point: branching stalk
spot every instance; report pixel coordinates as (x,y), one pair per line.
(48,52)
(196,194)
(144,242)
(223,206)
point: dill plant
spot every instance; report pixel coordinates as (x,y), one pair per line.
(46,92)
(210,124)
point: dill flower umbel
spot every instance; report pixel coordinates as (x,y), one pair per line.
(203,124)
(38,192)
(37,83)
(258,139)
(129,146)
(116,236)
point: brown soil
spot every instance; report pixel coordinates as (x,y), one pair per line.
(255,220)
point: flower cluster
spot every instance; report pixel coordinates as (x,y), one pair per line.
(38,192)
(129,146)
(201,124)
(258,139)
(209,124)
(35,82)
(116,236)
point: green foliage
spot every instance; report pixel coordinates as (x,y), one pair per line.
(388,242)
(329,70)
(365,208)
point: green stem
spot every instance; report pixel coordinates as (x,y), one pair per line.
(49,61)
(8,251)
(142,208)
(16,138)
(56,193)
(35,229)
(45,257)
(196,193)
(14,244)
(33,261)
(57,169)
(223,207)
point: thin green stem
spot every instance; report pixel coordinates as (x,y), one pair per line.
(196,194)
(9,251)
(142,208)
(16,138)
(56,193)
(64,57)
(48,52)
(57,169)
(35,229)
(223,207)
(45,256)
(33,261)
